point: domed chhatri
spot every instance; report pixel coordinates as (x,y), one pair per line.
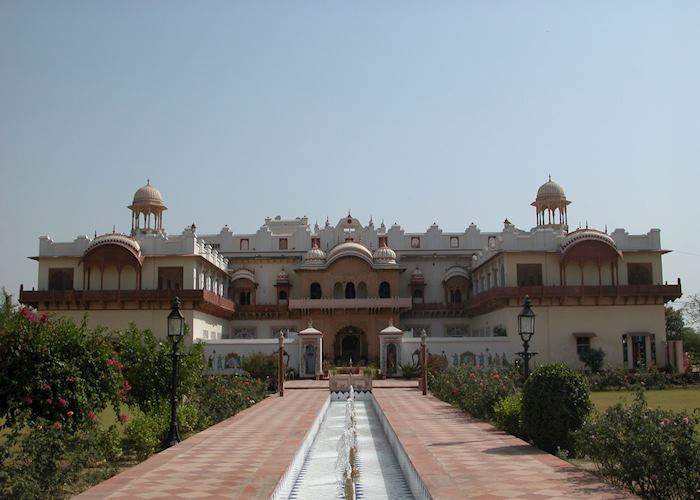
(384,255)
(147,210)
(315,254)
(551,199)
(282,277)
(148,195)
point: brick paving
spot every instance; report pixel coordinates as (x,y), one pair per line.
(242,457)
(458,457)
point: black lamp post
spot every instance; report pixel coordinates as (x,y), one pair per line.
(526,329)
(176,330)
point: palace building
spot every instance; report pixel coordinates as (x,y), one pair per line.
(589,288)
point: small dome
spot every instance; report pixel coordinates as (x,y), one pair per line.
(282,277)
(417,276)
(550,190)
(315,255)
(148,195)
(384,255)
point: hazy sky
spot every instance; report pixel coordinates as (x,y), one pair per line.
(414,112)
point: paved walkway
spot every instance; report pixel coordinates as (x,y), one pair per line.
(242,457)
(457,457)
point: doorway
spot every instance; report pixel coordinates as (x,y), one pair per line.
(350,345)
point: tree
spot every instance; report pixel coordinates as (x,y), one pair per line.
(691,309)
(675,323)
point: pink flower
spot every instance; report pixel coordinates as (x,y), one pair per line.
(123,418)
(70,413)
(123,398)
(62,402)
(686,421)
(91,415)
(49,401)
(665,421)
(28,400)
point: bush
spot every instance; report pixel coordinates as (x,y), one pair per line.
(148,364)
(263,367)
(473,390)
(437,363)
(222,396)
(556,401)
(408,371)
(592,359)
(653,452)
(507,413)
(620,378)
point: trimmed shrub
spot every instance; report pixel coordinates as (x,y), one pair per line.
(409,371)
(556,401)
(507,412)
(653,452)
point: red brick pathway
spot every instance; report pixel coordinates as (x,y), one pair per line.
(242,457)
(457,457)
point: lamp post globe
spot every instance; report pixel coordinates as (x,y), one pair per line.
(526,329)
(176,330)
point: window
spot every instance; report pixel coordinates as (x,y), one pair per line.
(338,290)
(624,349)
(315,291)
(350,290)
(283,244)
(529,274)
(383,241)
(316,242)
(583,344)
(283,295)
(61,278)
(418,293)
(454,242)
(455,296)
(170,278)
(244,298)
(215,246)
(384,290)
(639,273)
(415,242)
(245,244)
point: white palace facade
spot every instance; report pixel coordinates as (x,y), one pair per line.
(357,283)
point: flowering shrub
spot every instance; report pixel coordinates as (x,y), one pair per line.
(55,370)
(556,401)
(221,396)
(473,390)
(620,378)
(653,452)
(55,376)
(263,367)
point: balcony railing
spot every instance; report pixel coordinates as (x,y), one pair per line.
(200,299)
(370,303)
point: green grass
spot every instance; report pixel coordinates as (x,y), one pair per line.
(670,399)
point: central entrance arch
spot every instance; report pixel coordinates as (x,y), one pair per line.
(350,344)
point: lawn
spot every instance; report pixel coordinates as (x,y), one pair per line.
(670,399)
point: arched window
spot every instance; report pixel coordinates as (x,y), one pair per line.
(455,296)
(361,290)
(418,293)
(384,290)
(283,295)
(244,298)
(350,290)
(315,291)
(338,290)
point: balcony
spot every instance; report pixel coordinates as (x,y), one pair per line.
(201,300)
(394,303)
(496,298)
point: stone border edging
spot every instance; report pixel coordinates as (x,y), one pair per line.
(286,484)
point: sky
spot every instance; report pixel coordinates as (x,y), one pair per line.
(405,111)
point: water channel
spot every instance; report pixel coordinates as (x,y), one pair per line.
(380,475)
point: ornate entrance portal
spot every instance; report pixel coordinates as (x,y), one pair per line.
(350,345)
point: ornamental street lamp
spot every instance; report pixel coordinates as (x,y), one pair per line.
(176,330)
(526,329)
